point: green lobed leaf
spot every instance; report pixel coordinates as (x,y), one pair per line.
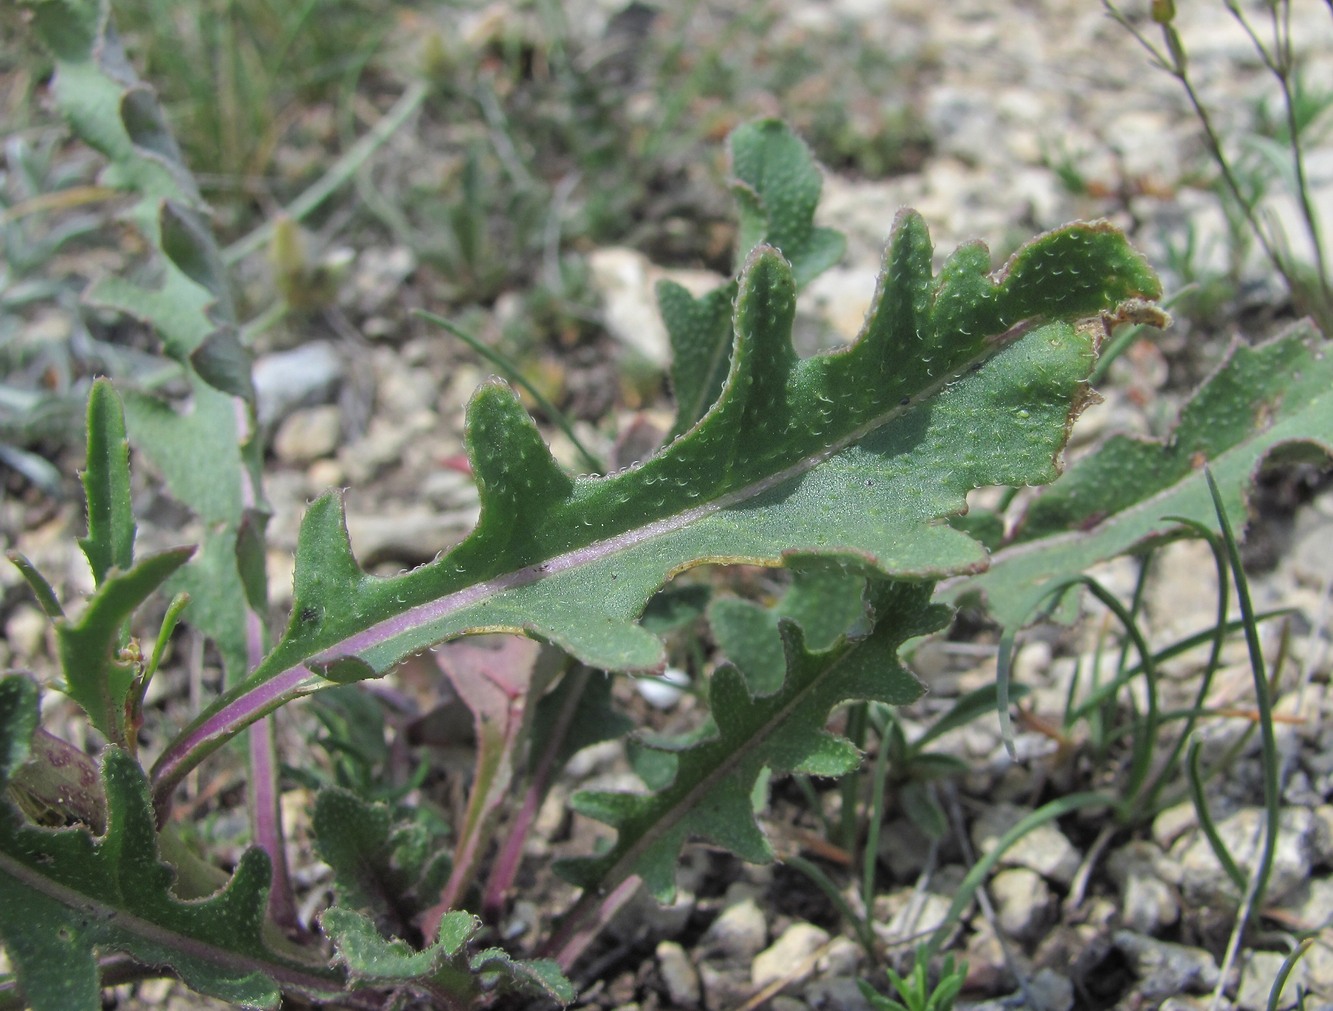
(445,970)
(857,455)
(356,839)
(827,601)
(96,676)
(106,485)
(67,894)
(710,797)
(701,338)
(748,636)
(776,183)
(1275,397)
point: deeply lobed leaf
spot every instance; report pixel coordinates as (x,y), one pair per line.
(857,454)
(1275,397)
(776,183)
(67,895)
(446,969)
(783,730)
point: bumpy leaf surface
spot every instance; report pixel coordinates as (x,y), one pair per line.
(1273,398)
(710,797)
(776,184)
(446,970)
(67,894)
(958,380)
(370,871)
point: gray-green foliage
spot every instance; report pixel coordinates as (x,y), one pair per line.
(845,466)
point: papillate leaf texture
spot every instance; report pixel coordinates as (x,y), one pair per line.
(67,895)
(1272,399)
(446,970)
(958,380)
(782,730)
(776,183)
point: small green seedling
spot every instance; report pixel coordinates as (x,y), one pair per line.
(914,990)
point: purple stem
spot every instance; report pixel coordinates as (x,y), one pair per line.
(265,793)
(507,861)
(205,736)
(266,824)
(581,927)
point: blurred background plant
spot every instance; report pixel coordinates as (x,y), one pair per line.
(1262,167)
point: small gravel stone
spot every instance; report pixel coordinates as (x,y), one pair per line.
(1259,971)
(1165,969)
(378,277)
(26,631)
(838,994)
(907,913)
(308,434)
(905,848)
(789,957)
(678,975)
(1313,905)
(842,957)
(1318,962)
(1045,849)
(1022,902)
(411,536)
(1051,991)
(725,986)
(1142,875)
(664,690)
(625,280)
(301,377)
(1300,841)
(738,934)
(1172,823)
(1259,974)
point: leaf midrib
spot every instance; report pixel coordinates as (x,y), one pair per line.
(306,977)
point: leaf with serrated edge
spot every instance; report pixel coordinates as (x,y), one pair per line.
(95,676)
(782,731)
(67,894)
(1277,396)
(856,454)
(776,183)
(444,969)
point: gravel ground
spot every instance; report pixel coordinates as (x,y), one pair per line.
(1076,915)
